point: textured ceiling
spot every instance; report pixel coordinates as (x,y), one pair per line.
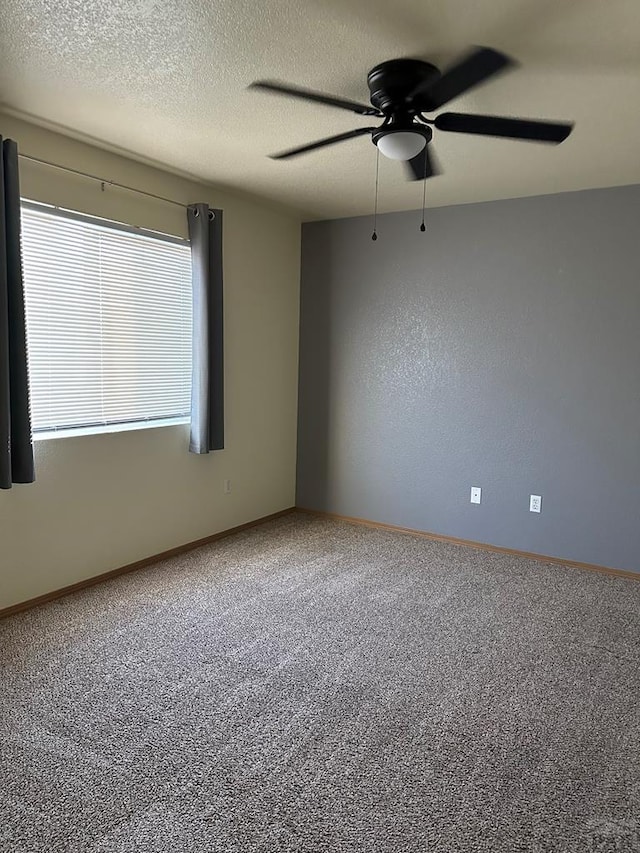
(167,81)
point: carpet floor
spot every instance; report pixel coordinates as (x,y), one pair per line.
(315,686)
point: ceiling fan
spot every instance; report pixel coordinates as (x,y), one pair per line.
(402,90)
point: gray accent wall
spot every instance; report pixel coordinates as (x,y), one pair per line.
(500,349)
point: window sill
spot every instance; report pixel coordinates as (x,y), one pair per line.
(100,429)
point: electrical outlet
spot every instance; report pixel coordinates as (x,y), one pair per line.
(535,503)
(226,488)
(476,494)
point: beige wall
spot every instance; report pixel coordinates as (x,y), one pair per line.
(102,501)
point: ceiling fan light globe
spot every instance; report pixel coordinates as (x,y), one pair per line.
(401,144)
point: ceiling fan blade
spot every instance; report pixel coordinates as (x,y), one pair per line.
(422,166)
(317,97)
(470,71)
(512,128)
(329,140)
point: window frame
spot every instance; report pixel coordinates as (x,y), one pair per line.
(122,227)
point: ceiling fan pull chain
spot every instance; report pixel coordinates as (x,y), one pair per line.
(423,227)
(374,236)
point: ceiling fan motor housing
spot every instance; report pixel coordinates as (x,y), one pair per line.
(392,82)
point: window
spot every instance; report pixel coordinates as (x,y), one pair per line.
(108,323)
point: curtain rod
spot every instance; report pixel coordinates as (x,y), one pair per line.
(102,181)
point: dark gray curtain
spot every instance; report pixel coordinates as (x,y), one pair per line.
(16,449)
(207,385)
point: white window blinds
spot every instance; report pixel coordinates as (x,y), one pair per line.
(108,321)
